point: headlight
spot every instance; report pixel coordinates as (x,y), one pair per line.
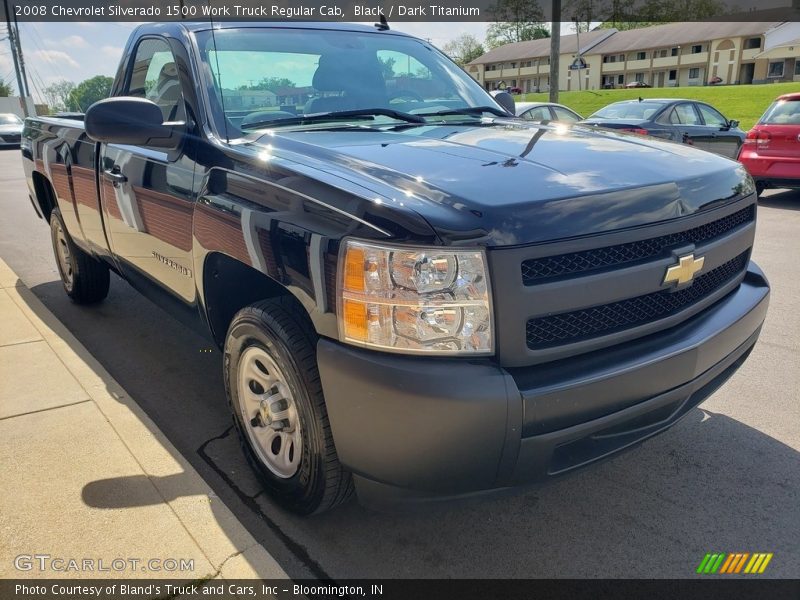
(414,300)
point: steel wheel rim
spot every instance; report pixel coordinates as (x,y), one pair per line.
(269,412)
(64,256)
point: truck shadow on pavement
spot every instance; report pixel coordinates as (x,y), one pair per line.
(711,483)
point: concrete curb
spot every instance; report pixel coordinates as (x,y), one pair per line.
(228,546)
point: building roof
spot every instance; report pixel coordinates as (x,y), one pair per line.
(677,34)
(539,48)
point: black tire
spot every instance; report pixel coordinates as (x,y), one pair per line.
(280,327)
(760,187)
(85,279)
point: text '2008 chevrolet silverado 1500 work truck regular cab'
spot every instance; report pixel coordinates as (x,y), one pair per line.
(418,296)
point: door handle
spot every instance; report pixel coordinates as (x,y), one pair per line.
(115,176)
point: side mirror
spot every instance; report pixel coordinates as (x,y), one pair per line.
(505,100)
(134,121)
(733,124)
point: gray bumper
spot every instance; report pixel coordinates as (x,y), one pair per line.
(421,429)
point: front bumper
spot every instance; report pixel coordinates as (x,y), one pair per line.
(425,429)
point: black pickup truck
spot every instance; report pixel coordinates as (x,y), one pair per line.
(418,296)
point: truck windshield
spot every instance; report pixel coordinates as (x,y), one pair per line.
(267,77)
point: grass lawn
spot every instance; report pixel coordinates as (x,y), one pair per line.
(743,102)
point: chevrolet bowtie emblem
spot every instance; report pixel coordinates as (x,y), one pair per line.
(685,270)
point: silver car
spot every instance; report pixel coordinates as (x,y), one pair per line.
(546,111)
(10,129)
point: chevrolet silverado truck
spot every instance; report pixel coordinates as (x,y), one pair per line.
(417,296)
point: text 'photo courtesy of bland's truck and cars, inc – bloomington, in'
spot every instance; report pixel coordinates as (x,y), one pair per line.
(405,301)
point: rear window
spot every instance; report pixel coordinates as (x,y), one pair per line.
(783,112)
(629,110)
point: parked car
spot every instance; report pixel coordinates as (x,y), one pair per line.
(637,84)
(415,305)
(10,129)
(513,90)
(716,80)
(546,111)
(771,150)
(688,121)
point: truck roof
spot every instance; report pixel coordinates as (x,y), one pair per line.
(194,26)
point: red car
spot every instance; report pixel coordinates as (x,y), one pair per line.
(771,150)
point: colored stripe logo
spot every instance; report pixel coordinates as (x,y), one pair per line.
(734,562)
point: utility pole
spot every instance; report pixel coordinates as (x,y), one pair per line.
(578,44)
(555,49)
(13,42)
(21,58)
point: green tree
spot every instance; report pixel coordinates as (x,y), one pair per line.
(387,67)
(630,14)
(515,21)
(57,94)
(5,89)
(271,84)
(88,92)
(463,49)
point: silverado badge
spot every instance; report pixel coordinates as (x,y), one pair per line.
(685,270)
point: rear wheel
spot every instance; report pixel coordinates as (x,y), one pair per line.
(275,395)
(760,187)
(85,279)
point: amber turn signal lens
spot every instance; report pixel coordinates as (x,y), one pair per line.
(355,319)
(354,270)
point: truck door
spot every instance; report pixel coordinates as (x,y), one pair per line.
(147,192)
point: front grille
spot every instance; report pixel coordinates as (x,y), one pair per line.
(551,267)
(592,322)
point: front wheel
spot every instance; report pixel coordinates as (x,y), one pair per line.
(275,395)
(760,187)
(85,279)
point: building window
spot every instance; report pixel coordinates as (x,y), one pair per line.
(697,49)
(609,59)
(661,53)
(797,67)
(673,74)
(676,51)
(641,55)
(640,77)
(694,73)
(752,43)
(775,69)
(621,79)
(513,65)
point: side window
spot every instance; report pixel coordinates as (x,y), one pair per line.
(711,116)
(540,113)
(155,77)
(686,115)
(564,115)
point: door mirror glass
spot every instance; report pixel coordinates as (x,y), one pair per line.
(733,124)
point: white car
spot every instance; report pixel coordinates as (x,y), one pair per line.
(10,129)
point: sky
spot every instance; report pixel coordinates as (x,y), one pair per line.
(77,51)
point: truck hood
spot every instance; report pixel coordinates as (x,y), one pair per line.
(511,183)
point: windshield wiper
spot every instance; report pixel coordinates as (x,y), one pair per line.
(337,116)
(467,110)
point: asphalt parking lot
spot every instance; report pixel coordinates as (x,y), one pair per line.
(726,478)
